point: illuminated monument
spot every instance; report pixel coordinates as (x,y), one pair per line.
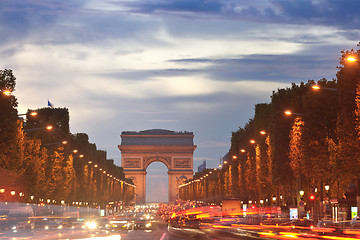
(140,149)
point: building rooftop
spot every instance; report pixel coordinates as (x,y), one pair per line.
(158,137)
(156,132)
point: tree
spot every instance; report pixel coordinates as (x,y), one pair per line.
(54,176)
(9,126)
(35,158)
(58,118)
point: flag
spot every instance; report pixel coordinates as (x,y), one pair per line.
(50,104)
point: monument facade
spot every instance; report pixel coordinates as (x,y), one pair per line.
(140,149)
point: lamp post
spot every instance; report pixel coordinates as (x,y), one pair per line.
(317,87)
(33,113)
(49,127)
(353,59)
(300,203)
(288,113)
(327,200)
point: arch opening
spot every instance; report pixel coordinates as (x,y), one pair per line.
(157,182)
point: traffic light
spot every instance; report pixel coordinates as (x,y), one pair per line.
(312,197)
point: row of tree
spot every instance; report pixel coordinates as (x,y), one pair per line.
(56,164)
(317,145)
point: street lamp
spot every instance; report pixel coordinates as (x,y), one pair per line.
(6,92)
(351,59)
(301,192)
(317,87)
(262,132)
(56,143)
(33,113)
(288,112)
(49,127)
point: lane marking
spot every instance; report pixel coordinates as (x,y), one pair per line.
(163,236)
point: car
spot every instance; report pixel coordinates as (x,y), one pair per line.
(142,223)
(73,224)
(119,223)
(53,224)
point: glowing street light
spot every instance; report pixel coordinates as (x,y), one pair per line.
(262,132)
(49,127)
(317,87)
(6,92)
(351,59)
(288,112)
(301,192)
(33,113)
(242,150)
(252,141)
(234,157)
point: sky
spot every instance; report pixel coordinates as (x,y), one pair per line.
(181,65)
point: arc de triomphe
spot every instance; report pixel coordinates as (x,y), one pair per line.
(140,149)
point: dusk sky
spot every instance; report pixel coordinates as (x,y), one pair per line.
(182,65)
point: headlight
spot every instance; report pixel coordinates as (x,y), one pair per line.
(13,227)
(46,227)
(148,225)
(60,227)
(91,225)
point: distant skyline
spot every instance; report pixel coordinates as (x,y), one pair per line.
(181,65)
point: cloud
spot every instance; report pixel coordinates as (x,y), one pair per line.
(163,120)
(314,12)
(197,65)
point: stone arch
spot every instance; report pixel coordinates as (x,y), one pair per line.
(140,149)
(164,160)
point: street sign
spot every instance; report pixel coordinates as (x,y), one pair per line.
(301,203)
(334,201)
